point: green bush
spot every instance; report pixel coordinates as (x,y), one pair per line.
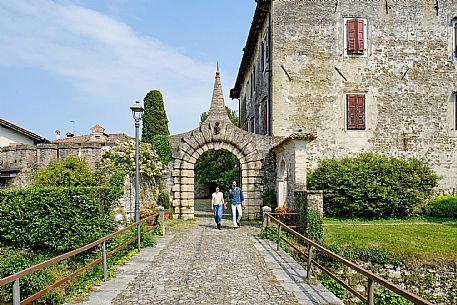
(164,200)
(312,224)
(73,171)
(55,218)
(14,260)
(269,199)
(441,206)
(387,297)
(372,186)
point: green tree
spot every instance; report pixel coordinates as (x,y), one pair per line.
(73,171)
(155,125)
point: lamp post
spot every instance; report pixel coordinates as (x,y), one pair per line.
(137,112)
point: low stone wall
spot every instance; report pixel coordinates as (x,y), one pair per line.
(435,283)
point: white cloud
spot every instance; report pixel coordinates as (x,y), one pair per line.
(102,57)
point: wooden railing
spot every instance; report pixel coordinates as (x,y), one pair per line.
(268,218)
(156,219)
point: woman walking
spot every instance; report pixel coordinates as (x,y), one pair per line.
(216,205)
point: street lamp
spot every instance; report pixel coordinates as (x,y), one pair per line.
(137,112)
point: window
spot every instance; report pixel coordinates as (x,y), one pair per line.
(454,38)
(454,99)
(264,116)
(355,109)
(262,57)
(355,36)
(265,50)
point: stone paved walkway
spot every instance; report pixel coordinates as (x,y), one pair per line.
(203,265)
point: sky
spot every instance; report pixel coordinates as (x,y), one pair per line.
(69,65)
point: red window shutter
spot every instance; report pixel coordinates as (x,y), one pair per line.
(360,111)
(351,112)
(351,36)
(356,112)
(360,36)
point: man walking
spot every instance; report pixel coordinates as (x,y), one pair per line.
(236,195)
(216,205)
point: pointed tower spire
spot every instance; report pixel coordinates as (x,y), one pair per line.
(217,110)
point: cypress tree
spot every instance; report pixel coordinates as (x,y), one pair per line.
(155,121)
(155,125)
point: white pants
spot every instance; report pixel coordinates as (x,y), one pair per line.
(240,212)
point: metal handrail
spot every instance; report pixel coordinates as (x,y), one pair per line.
(17,276)
(371,276)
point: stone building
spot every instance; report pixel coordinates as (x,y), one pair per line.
(357,76)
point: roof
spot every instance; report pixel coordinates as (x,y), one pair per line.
(296,136)
(110,138)
(261,13)
(23,131)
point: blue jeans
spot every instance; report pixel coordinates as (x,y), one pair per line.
(218,213)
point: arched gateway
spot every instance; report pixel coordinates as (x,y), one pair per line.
(218,132)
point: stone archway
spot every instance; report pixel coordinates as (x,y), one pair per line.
(218,132)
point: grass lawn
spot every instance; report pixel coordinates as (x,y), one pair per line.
(403,238)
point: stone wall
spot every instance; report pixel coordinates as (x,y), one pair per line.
(29,158)
(435,283)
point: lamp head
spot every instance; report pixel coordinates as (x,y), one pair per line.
(137,110)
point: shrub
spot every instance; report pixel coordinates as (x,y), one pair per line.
(14,260)
(164,200)
(441,206)
(387,297)
(269,199)
(73,171)
(372,186)
(55,218)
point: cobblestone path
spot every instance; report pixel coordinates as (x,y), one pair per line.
(204,265)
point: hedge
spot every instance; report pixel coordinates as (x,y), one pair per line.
(372,186)
(442,206)
(52,218)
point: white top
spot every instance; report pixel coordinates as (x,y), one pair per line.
(217,198)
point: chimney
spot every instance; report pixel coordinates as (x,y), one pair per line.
(57,134)
(70,135)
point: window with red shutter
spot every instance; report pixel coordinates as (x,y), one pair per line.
(355,111)
(355,36)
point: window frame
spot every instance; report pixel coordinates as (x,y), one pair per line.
(346,111)
(345,37)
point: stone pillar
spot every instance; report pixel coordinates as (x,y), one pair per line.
(315,200)
(161,211)
(310,200)
(266,220)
